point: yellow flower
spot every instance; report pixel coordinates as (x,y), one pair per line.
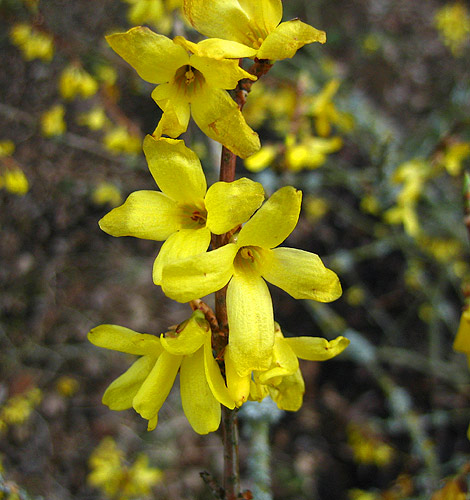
(454,156)
(95,119)
(262,158)
(462,339)
(189,85)
(7,148)
(52,121)
(245,264)
(106,192)
(453,23)
(75,81)
(282,381)
(67,386)
(32,43)
(311,152)
(14,181)
(147,383)
(119,140)
(255,24)
(116,479)
(185,212)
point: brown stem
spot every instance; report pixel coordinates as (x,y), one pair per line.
(231,470)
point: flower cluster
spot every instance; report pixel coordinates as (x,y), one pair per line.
(255,360)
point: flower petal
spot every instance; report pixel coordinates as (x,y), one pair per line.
(288,395)
(199,404)
(218,19)
(200,275)
(220,74)
(176,169)
(301,274)
(229,204)
(176,111)
(251,323)
(317,348)
(188,337)
(274,221)
(155,57)
(119,338)
(156,387)
(238,387)
(462,339)
(287,38)
(266,14)
(119,395)
(149,215)
(214,377)
(184,243)
(285,362)
(218,116)
(216,48)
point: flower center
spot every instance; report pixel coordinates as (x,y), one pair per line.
(188,80)
(193,216)
(248,259)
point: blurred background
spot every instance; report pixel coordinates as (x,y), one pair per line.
(373,126)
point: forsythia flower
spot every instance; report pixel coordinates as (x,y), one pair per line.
(453,24)
(14,181)
(7,148)
(189,85)
(32,43)
(256,24)
(310,153)
(462,339)
(106,192)
(283,381)
(74,81)
(120,140)
(185,212)
(117,480)
(242,264)
(52,121)
(147,383)
(95,119)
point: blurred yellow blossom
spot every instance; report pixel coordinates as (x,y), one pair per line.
(355,295)
(262,158)
(358,494)
(115,478)
(119,140)
(75,81)
(370,204)
(315,207)
(67,386)
(454,155)
(107,193)
(157,13)
(18,408)
(7,148)
(371,43)
(325,113)
(14,180)
(95,119)
(309,153)
(452,21)
(33,44)
(52,121)
(367,448)
(443,250)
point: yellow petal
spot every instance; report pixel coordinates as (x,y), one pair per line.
(184,243)
(188,337)
(218,116)
(176,111)
(266,14)
(155,57)
(285,362)
(462,339)
(301,274)
(287,38)
(220,74)
(317,348)
(229,204)
(200,406)
(216,48)
(258,391)
(198,276)
(288,395)
(119,338)
(218,19)
(251,323)
(156,387)
(149,215)
(238,387)
(119,395)
(176,169)
(274,221)
(214,377)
